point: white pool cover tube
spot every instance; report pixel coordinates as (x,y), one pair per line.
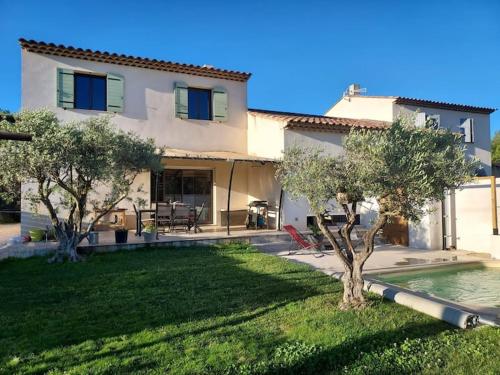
(432,307)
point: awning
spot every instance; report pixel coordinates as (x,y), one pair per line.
(173,153)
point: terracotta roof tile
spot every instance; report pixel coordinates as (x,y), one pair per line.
(113,58)
(443,105)
(320,123)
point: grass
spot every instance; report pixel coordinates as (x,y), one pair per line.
(223,309)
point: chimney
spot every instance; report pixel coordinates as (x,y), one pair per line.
(354,89)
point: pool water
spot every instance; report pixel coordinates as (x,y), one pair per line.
(474,285)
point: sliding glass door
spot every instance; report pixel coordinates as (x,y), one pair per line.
(190,186)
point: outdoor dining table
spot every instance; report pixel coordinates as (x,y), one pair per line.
(138,219)
(140,211)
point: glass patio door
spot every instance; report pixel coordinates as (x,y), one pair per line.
(190,186)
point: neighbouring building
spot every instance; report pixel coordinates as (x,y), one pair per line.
(200,115)
(435,231)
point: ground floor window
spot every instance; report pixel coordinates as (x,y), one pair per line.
(191,186)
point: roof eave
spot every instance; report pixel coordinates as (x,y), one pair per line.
(445,106)
(113,58)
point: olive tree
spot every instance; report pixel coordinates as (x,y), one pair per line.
(73,169)
(404,168)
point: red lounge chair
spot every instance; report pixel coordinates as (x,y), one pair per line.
(302,243)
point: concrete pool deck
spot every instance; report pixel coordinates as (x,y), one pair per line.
(385,258)
(394,258)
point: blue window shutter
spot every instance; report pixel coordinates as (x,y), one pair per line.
(219,104)
(114,92)
(65,88)
(181,100)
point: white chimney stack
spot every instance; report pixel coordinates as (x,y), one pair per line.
(354,89)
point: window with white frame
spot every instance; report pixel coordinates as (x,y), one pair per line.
(433,122)
(424,120)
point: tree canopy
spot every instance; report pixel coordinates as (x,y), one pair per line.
(73,169)
(404,168)
(495,148)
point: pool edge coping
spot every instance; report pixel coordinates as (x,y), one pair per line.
(466,316)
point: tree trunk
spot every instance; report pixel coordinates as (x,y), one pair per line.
(69,238)
(352,279)
(352,260)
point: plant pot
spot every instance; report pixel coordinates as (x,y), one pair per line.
(37,235)
(121,236)
(149,236)
(93,238)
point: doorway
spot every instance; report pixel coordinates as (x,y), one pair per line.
(191,186)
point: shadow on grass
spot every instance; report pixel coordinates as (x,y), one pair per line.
(309,359)
(46,306)
(284,357)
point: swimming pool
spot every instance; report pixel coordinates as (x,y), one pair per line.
(469,284)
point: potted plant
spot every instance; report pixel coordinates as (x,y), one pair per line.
(149,232)
(316,233)
(121,235)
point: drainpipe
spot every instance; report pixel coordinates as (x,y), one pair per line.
(494,217)
(280,208)
(229,195)
(443,222)
(156,203)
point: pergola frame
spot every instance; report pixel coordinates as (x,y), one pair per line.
(10,136)
(230,158)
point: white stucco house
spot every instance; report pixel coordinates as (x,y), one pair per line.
(200,114)
(435,230)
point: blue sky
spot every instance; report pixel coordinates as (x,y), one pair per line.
(302,54)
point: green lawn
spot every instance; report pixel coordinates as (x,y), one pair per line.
(214,310)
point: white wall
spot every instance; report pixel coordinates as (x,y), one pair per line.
(296,212)
(473,216)
(363,107)
(427,233)
(451,120)
(266,136)
(148,103)
(330,142)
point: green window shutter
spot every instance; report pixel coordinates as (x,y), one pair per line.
(65,88)
(181,100)
(114,83)
(219,104)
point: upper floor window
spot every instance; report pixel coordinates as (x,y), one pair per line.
(199,104)
(424,120)
(90,92)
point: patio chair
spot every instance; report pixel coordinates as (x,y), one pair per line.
(164,216)
(197,217)
(298,239)
(180,216)
(143,222)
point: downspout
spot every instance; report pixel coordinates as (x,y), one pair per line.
(229,195)
(156,203)
(443,223)
(494,217)
(280,208)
